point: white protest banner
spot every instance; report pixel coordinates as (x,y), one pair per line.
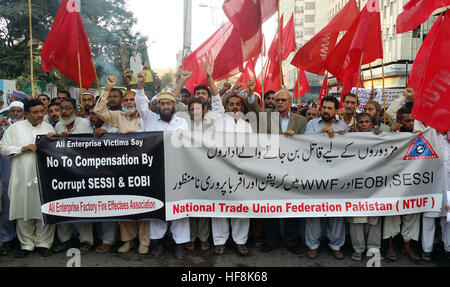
(357,174)
(364,96)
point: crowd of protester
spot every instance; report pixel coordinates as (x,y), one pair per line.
(130,111)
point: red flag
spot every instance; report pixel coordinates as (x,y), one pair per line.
(324,91)
(415,12)
(268,8)
(66,39)
(420,62)
(432,103)
(245,15)
(225,48)
(310,57)
(272,67)
(301,86)
(364,36)
(349,82)
(249,71)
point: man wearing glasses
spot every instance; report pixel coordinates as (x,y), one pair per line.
(289,124)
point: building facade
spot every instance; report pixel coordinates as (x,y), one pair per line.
(400,50)
(309,18)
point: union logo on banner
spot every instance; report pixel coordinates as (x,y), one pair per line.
(420,149)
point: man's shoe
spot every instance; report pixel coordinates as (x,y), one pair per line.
(103,248)
(426,256)
(338,254)
(142,249)
(6,248)
(126,246)
(85,247)
(23,253)
(180,252)
(312,253)
(62,247)
(44,252)
(295,249)
(265,248)
(190,245)
(156,249)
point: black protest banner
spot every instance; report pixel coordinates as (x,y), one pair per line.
(114,178)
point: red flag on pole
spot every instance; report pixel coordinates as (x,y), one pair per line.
(310,57)
(364,36)
(66,39)
(225,48)
(420,62)
(245,15)
(432,103)
(415,12)
(249,71)
(302,85)
(324,91)
(272,67)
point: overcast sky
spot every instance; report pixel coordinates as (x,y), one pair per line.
(162,22)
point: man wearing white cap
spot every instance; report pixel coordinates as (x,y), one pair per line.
(15,112)
(165,121)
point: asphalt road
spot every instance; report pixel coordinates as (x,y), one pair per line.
(280,257)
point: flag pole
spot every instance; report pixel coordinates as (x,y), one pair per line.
(357,87)
(371,75)
(31,51)
(299,86)
(184,34)
(279,47)
(243,81)
(79,75)
(384,95)
(262,77)
(95,70)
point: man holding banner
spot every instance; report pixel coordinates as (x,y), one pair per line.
(336,226)
(18,144)
(127,121)
(165,121)
(71,124)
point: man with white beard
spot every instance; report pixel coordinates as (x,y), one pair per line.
(15,112)
(67,125)
(127,121)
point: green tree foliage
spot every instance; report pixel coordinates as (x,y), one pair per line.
(167,81)
(108,25)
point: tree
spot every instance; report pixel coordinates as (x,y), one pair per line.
(107,22)
(167,81)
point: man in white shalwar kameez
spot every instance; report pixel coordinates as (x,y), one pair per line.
(429,218)
(408,225)
(67,125)
(18,143)
(165,121)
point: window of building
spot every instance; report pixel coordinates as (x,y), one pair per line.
(309,18)
(309,31)
(310,6)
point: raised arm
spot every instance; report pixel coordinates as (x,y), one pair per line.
(101,107)
(396,104)
(208,66)
(141,103)
(184,76)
